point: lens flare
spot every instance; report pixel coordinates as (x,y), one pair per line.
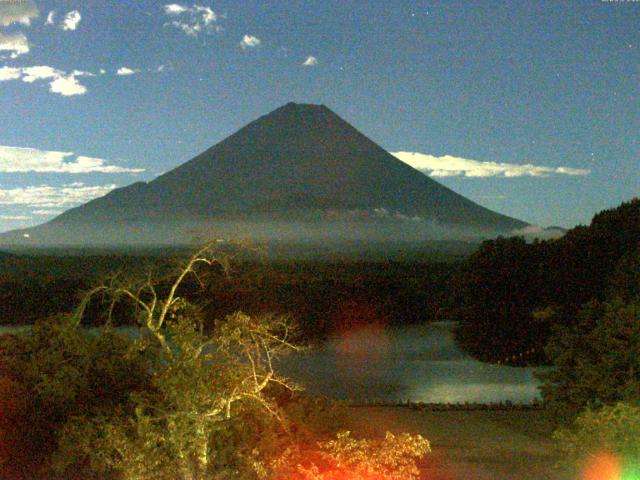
(631,472)
(361,331)
(603,466)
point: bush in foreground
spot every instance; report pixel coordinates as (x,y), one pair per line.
(607,438)
(393,458)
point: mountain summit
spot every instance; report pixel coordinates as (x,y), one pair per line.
(296,170)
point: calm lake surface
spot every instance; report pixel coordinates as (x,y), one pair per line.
(417,363)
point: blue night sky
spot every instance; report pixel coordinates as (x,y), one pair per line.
(529,108)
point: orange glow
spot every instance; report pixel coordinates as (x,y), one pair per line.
(355,313)
(371,341)
(603,466)
(360,329)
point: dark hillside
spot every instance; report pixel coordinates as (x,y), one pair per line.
(510,293)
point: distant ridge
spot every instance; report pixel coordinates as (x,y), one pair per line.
(300,170)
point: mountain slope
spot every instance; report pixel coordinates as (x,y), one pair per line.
(299,163)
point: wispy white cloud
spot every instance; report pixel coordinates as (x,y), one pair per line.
(82,73)
(46,212)
(449,166)
(190,30)
(249,41)
(71,20)
(14,217)
(18,159)
(536,231)
(16,43)
(51,18)
(124,71)
(48,196)
(192,20)
(175,9)
(311,61)
(60,82)
(17,11)
(207,15)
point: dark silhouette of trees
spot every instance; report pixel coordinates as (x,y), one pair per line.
(596,361)
(509,293)
(492,299)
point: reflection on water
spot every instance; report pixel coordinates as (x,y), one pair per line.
(417,363)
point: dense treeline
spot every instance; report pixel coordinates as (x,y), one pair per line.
(325,298)
(322,296)
(36,287)
(509,294)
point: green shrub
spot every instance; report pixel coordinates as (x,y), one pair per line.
(612,430)
(596,363)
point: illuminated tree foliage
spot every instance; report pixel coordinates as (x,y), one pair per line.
(177,398)
(200,384)
(392,458)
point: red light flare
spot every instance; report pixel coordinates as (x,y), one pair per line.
(361,329)
(602,466)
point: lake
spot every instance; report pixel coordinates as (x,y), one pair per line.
(419,363)
(416,363)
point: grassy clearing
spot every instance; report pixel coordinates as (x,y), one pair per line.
(472,445)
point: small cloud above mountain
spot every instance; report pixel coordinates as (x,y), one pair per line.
(125,71)
(51,18)
(71,20)
(192,20)
(250,41)
(67,86)
(311,61)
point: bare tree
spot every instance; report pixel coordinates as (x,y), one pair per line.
(198,378)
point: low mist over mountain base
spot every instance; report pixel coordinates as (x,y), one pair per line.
(324,233)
